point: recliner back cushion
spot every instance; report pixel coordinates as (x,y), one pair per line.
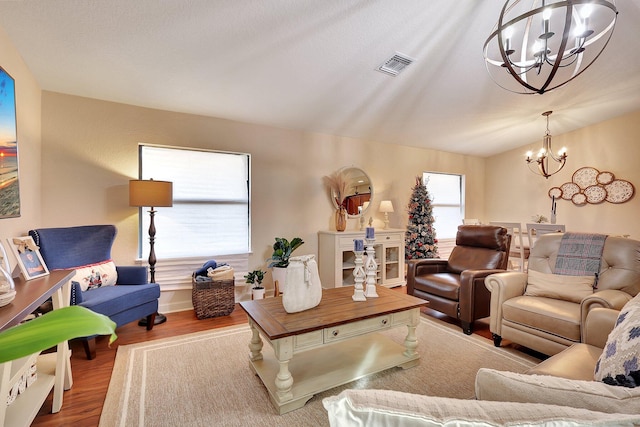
(469,258)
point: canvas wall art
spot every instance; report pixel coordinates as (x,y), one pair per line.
(9,184)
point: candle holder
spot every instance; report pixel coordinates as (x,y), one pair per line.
(371,268)
(359,275)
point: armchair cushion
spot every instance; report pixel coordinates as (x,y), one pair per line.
(619,362)
(567,288)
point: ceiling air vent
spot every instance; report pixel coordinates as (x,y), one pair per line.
(394,65)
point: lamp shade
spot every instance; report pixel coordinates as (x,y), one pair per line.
(150,193)
(386,206)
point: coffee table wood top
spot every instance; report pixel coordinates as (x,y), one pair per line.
(336,308)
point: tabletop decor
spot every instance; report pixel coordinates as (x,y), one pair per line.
(358,272)
(338,186)
(371,268)
(28,255)
(304,290)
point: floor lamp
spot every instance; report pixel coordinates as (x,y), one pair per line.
(150,193)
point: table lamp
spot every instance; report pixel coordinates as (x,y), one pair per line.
(150,193)
(386,206)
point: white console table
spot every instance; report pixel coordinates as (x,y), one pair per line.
(53,369)
(336,259)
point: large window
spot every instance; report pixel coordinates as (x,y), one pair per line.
(211,210)
(446,191)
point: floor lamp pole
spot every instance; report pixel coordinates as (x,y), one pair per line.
(160,318)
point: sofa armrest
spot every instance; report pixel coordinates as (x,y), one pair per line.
(598,325)
(503,286)
(76,293)
(132,275)
(594,395)
(608,298)
(418,267)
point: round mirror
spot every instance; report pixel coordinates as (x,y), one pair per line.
(359,191)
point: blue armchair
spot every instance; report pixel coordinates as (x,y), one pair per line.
(131,299)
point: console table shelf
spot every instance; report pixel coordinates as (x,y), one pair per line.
(53,369)
(336,260)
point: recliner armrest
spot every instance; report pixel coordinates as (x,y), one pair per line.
(418,267)
(132,275)
(503,286)
(598,325)
(608,298)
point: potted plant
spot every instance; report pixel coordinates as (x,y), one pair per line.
(255,278)
(279,260)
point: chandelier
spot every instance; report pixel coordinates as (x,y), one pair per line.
(540,164)
(540,48)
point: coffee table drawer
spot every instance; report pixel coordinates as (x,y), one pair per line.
(348,330)
(308,340)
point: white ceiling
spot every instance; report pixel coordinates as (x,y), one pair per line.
(310,65)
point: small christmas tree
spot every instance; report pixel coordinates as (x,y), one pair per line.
(420,241)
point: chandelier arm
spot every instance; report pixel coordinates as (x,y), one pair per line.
(563,45)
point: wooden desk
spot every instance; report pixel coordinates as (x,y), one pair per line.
(329,342)
(54,369)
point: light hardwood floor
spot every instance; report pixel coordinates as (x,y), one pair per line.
(83,402)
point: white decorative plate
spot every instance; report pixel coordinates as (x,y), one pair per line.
(579,199)
(619,191)
(585,177)
(569,189)
(605,178)
(7,297)
(595,194)
(555,192)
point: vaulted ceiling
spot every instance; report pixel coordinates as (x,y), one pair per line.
(310,65)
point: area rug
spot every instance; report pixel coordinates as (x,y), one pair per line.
(204,379)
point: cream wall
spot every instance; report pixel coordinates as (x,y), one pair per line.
(29,142)
(90,152)
(513,193)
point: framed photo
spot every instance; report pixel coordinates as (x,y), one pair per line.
(28,255)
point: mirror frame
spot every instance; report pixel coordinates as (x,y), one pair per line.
(353,174)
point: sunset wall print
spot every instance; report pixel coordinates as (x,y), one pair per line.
(9,184)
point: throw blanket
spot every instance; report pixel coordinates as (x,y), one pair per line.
(580,254)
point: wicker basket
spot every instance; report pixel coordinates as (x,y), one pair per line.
(213,298)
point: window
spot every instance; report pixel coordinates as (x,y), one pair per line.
(211,203)
(446,192)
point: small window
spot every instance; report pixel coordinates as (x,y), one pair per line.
(446,192)
(211,202)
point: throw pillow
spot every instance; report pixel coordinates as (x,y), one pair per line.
(567,288)
(618,364)
(96,275)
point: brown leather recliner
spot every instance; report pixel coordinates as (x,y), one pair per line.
(455,286)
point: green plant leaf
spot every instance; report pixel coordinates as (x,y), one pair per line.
(52,328)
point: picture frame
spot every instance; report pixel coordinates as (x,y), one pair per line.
(28,255)
(9,182)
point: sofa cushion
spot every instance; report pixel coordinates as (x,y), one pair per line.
(97,275)
(619,362)
(594,395)
(112,300)
(359,408)
(567,288)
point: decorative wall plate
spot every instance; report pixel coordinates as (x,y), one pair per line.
(579,199)
(569,189)
(619,191)
(555,192)
(605,178)
(595,194)
(585,177)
